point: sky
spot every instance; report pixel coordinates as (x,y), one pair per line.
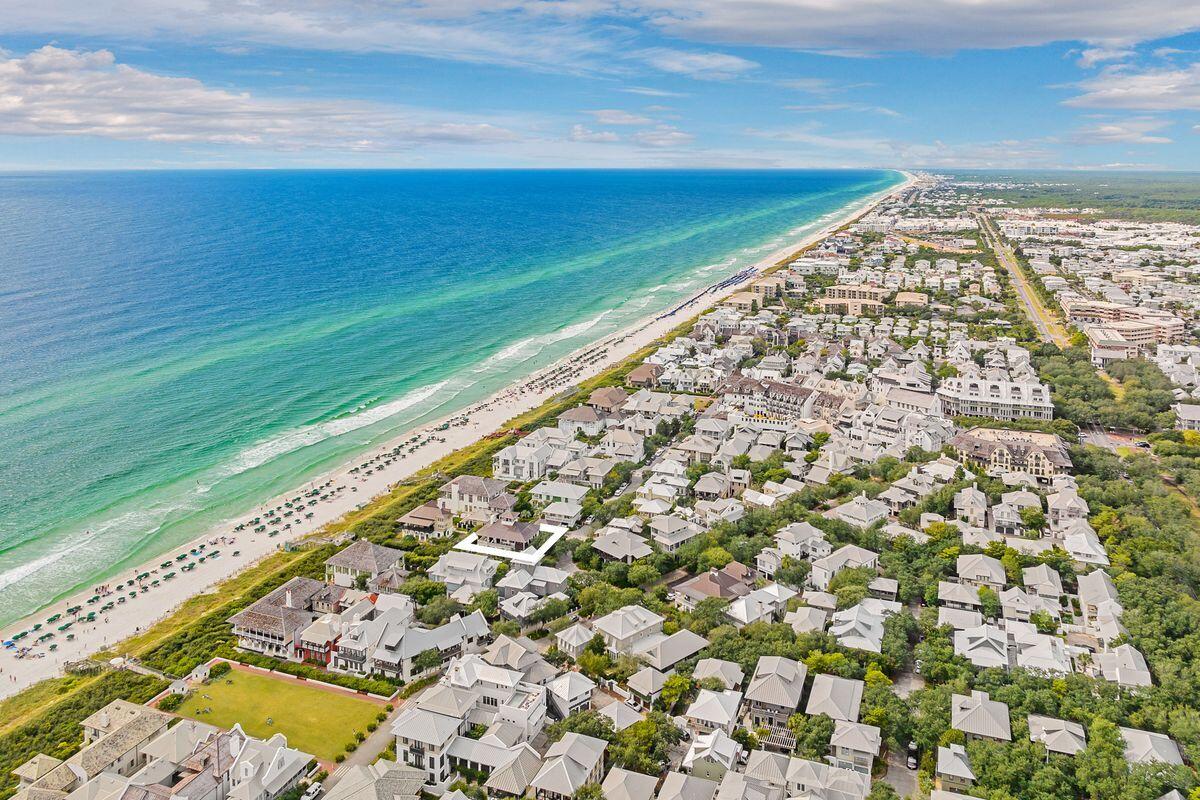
(936,84)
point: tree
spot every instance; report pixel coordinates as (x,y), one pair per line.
(642,573)
(1033,519)
(812,735)
(715,558)
(438,610)
(427,659)
(553,608)
(675,688)
(1100,767)
(589,791)
(486,601)
(1043,621)
(587,723)
(882,790)
(645,746)
(990,602)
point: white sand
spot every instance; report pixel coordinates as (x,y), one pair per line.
(346,490)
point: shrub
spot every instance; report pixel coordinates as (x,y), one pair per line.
(340,757)
(171,702)
(220,668)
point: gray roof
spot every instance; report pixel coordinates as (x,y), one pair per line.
(777,681)
(727,672)
(364,556)
(383,780)
(515,776)
(1058,735)
(677,786)
(670,650)
(837,698)
(272,614)
(978,714)
(1147,747)
(568,763)
(621,784)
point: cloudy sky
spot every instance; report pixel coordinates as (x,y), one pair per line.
(600,83)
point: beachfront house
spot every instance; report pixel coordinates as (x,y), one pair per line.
(361,563)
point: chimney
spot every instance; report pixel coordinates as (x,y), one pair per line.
(287,600)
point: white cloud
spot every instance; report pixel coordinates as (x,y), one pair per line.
(579,133)
(704,66)
(1141,130)
(813,143)
(822,108)
(522,33)
(1170,89)
(616,116)
(650,92)
(663,136)
(869,26)
(1093,56)
(58,92)
(810,85)
(587,34)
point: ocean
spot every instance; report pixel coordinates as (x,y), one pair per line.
(176,347)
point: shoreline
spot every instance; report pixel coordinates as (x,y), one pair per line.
(348,487)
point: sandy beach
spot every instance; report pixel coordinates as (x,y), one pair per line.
(134,600)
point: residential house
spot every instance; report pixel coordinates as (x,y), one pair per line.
(953,772)
(773,696)
(1057,735)
(980,717)
(569,764)
(360,563)
(711,755)
(624,628)
(849,556)
(835,697)
(465,574)
(854,746)
(712,711)
(981,571)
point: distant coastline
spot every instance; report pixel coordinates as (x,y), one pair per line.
(465,425)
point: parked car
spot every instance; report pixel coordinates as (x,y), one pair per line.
(312,792)
(911,760)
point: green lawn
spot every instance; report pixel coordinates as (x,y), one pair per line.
(313,720)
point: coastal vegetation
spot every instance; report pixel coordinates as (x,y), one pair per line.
(54,728)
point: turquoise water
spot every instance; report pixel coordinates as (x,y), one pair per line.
(176,347)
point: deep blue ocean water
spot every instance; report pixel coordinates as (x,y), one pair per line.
(177,346)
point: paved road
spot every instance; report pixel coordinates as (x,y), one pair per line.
(1032,304)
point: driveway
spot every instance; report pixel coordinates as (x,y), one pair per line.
(901,778)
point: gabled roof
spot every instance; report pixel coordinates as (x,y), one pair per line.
(716,708)
(365,556)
